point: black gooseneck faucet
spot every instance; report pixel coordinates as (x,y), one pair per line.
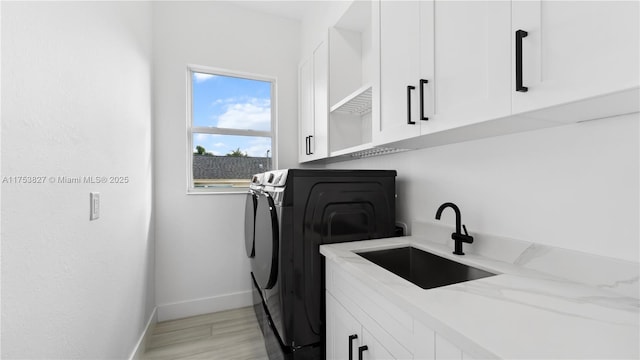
(457,236)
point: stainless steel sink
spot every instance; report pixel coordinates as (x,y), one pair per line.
(422,268)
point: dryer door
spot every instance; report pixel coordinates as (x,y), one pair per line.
(265,265)
(251,203)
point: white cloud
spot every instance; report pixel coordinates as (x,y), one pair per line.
(225,101)
(258,147)
(254,114)
(201,77)
(199,137)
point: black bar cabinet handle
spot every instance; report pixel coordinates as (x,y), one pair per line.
(520,34)
(422,82)
(351,338)
(362,349)
(409,88)
(310,152)
(308,145)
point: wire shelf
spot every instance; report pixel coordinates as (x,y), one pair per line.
(358,103)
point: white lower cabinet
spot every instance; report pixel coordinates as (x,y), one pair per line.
(363,325)
(347,338)
(446,350)
(424,345)
(343,331)
(372,348)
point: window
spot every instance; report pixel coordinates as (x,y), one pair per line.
(230,129)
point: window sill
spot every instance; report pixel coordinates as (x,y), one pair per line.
(217,191)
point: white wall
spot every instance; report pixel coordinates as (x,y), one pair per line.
(574,187)
(76,101)
(201,261)
(316,23)
(0,176)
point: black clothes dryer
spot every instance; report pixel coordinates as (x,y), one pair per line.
(297,211)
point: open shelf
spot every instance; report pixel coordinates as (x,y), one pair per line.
(357,103)
(351,79)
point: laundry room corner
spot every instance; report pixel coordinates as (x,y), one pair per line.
(201,264)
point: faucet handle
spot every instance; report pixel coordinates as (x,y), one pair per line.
(464,238)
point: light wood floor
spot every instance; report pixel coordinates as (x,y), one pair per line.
(231,334)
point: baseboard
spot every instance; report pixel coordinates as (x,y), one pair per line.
(201,306)
(142,341)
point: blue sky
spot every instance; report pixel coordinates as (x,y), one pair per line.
(229,102)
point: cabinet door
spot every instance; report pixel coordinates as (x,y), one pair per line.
(374,349)
(446,351)
(472,63)
(399,68)
(341,327)
(305,108)
(575,50)
(319,141)
(313,105)
(423,346)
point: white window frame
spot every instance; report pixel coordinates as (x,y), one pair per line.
(223,131)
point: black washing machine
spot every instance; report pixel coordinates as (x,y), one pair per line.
(251,207)
(296,211)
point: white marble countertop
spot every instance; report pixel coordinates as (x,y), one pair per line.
(520,313)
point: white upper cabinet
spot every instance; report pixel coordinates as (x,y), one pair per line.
(574,50)
(320,145)
(400,66)
(443,64)
(415,74)
(305,107)
(313,105)
(472,63)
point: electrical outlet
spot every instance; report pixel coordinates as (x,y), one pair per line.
(94,205)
